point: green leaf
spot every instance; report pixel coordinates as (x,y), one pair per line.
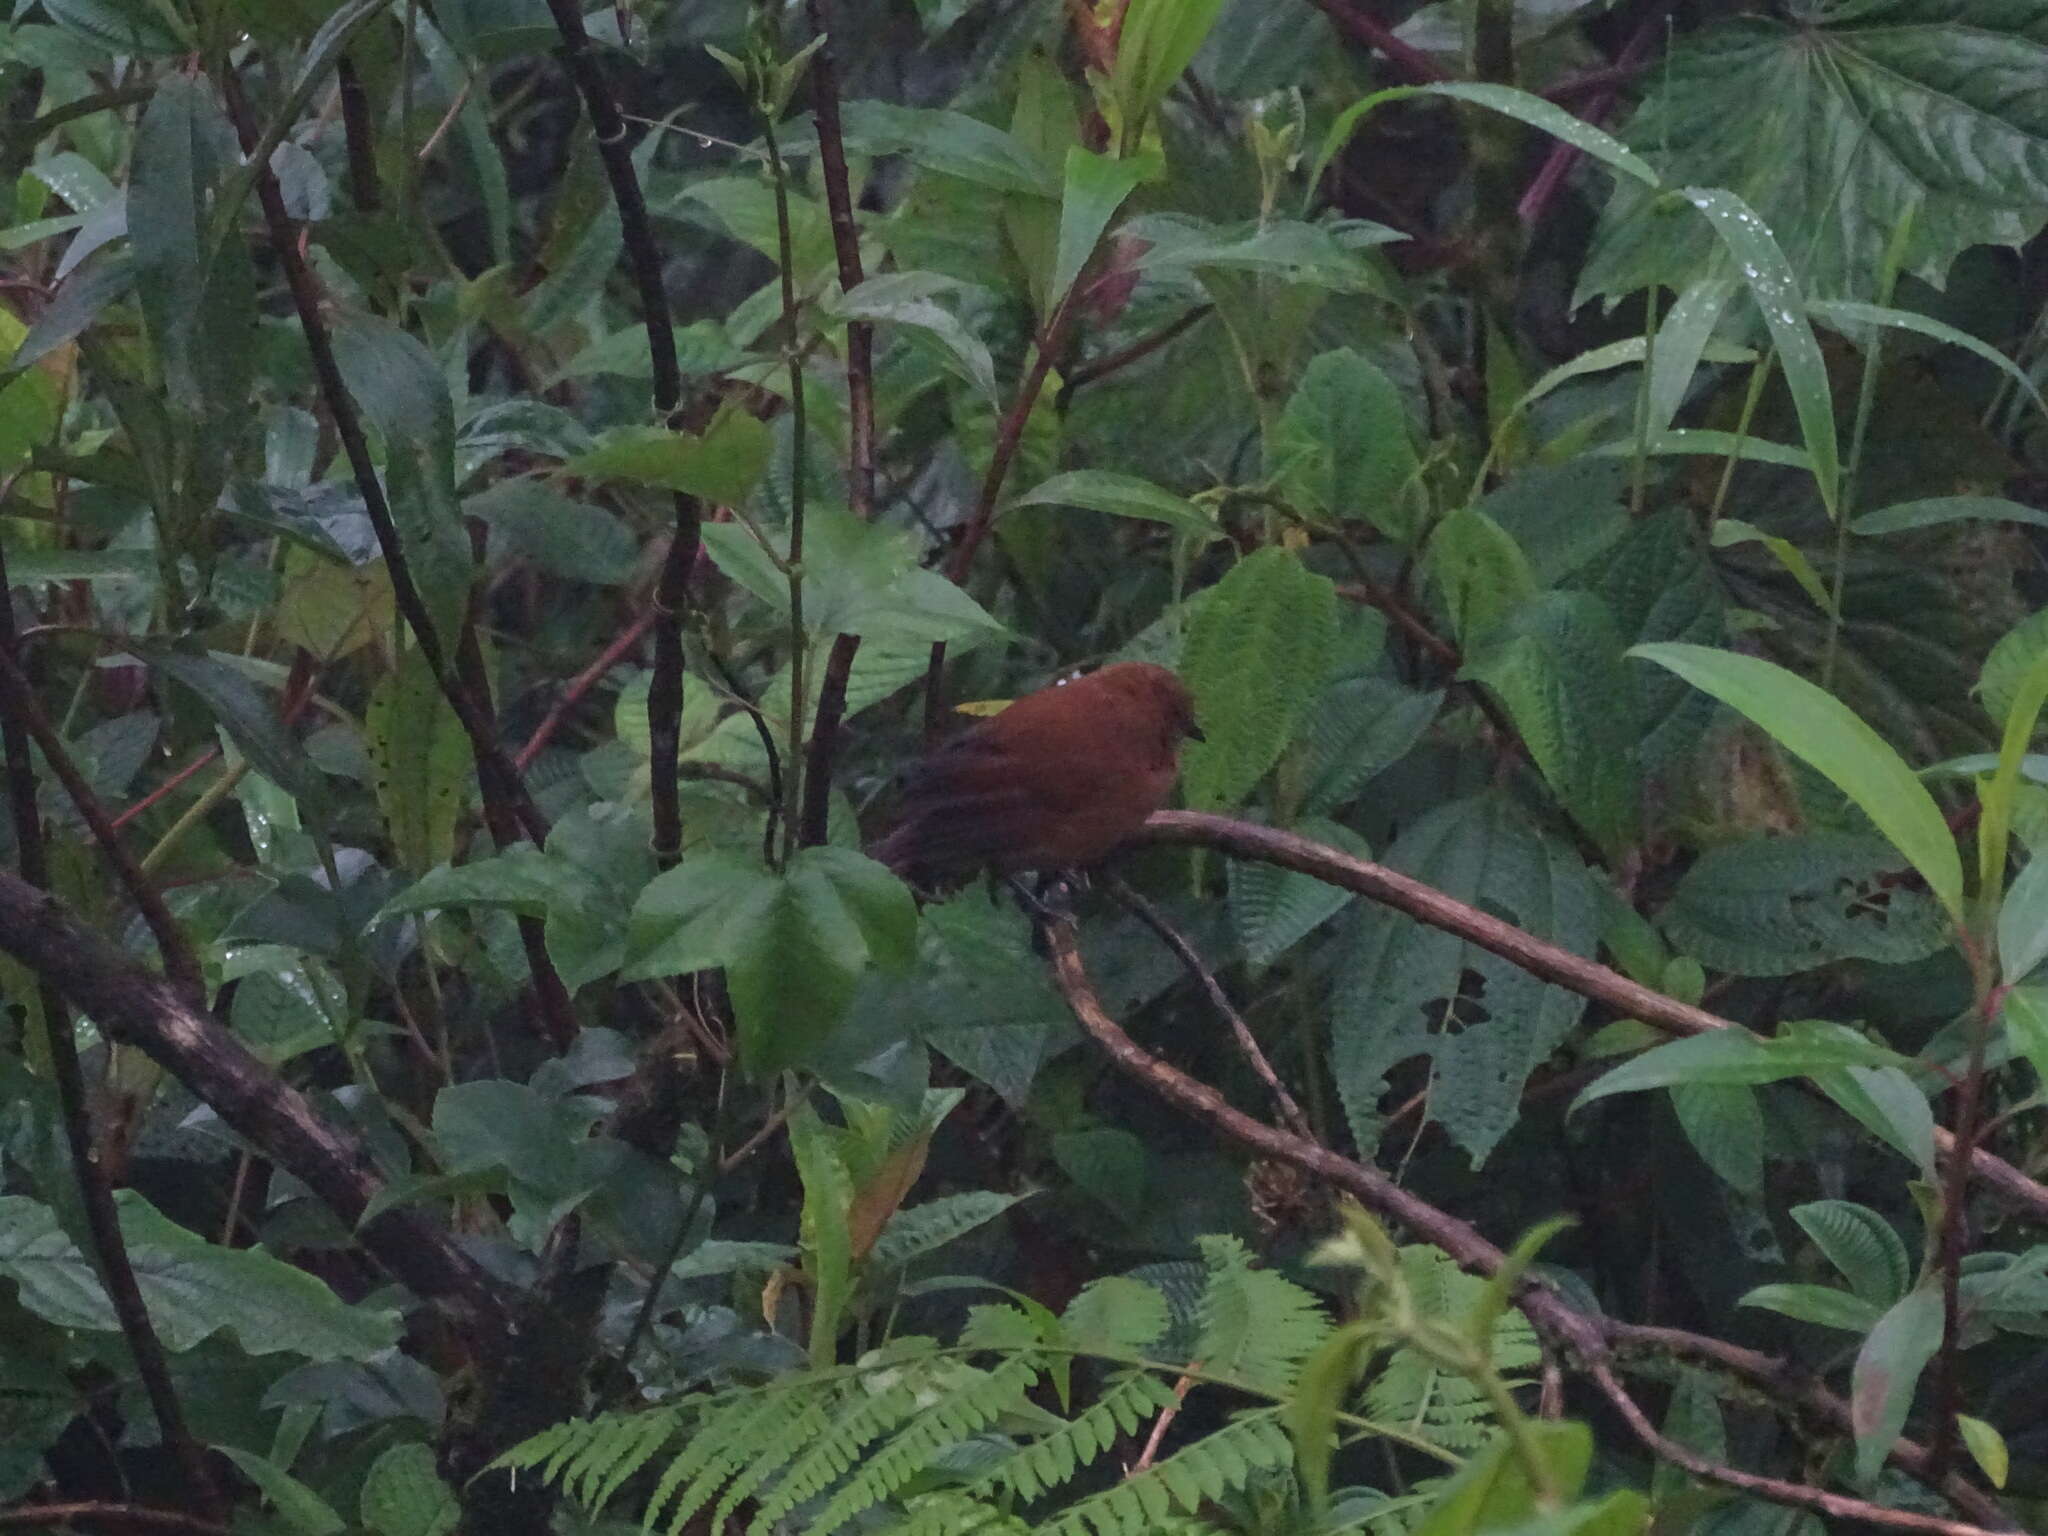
(1094,189)
(1481,571)
(1119,495)
(1945,509)
(1821,1304)
(1730,531)
(1320,1393)
(1987,1448)
(193,1288)
(247,716)
(403,1494)
(1725,1125)
(1521,105)
(1886,1102)
(2025,1017)
(300,1509)
(1158,41)
(906,298)
(1820,729)
(119,26)
(948,144)
(1322,256)
(1343,449)
(522,879)
(1274,908)
(694,917)
(1255,656)
(722,466)
(1735,1056)
(1772,284)
(421,757)
(1402,990)
(576,540)
(1555,663)
(1854,320)
(1887,1369)
(1846,115)
(1861,1245)
(2023,922)
(826,1243)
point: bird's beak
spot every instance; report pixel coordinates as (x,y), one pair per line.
(1195,732)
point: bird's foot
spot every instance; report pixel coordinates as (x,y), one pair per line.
(1049,898)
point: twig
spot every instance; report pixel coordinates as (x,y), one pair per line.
(1588,978)
(1562,157)
(181,965)
(1366,29)
(133,1007)
(496,776)
(1164,1422)
(1102,367)
(860,411)
(579,686)
(1953,1241)
(102,1219)
(636,232)
(358,132)
(1241,1032)
(1582,1338)
(112,1512)
(1009,436)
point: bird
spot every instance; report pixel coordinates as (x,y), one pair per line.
(1054,782)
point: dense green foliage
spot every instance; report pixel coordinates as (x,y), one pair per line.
(489,496)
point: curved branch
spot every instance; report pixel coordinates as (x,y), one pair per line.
(1586,1340)
(134,1007)
(1588,978)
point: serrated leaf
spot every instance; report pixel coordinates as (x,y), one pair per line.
(1555,663)
(1861,1245)
(1255,656)
(1343,448)
(722,466)
(404,1495)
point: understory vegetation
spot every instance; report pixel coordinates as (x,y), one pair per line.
(492,492)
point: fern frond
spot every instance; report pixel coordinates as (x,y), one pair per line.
(833,1454)
(950,1512)
(606,1469)
(813,1418)
(1130,1399)
(1448,1409)
(1257,1327)
(730,1432)
(1144,1505)
(952,1418)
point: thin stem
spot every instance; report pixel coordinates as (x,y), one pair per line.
(799,482)
(103,1222)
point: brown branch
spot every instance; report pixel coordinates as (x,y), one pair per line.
(181,964)
(496,777)
(358,130)
(1362,27)
(1009,437)
(96,1198)
(636,232)
(1241,1032)
(1588,978)
(1953,1241)
(1558,165)
(133,1007)
(36,1517)
(1583,1339)
(580,685)
(816,816)
(1102,367)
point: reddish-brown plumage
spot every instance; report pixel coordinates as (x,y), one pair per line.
(1053,782)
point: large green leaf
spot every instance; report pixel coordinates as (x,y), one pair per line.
(1556,664)
(1818,727)
(422,760)
(1343,449)
(193,1288)
(1255,655)
(1403,990)
(1888,1367)
(1847,115)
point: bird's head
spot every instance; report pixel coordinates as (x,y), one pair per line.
(1156,693)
